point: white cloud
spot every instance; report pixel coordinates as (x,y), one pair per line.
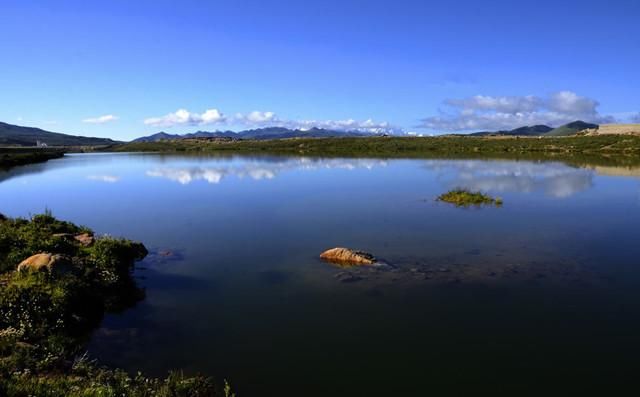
(367,126)
(505,104)
(508,112)
(101,119)
(570,103)
(257,119)
(183,117)
(418,134)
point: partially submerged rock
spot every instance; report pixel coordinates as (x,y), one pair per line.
(346,256)
(52,263)
(85,239)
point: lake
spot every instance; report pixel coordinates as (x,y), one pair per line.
(541,294)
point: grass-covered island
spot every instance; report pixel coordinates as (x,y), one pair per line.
(466,198)
(56,282)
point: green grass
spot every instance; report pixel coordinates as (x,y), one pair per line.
(466,198)
(46,318)
(399,146)
(594,150)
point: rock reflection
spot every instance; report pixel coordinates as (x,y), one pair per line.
(554,179)
(258,170)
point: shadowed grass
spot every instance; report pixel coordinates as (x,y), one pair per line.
(11,157)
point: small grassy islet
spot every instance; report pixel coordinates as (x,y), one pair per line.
(466,198)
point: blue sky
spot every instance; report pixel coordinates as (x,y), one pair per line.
(128,68)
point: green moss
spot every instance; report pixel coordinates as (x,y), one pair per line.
(465,198)
(46,318)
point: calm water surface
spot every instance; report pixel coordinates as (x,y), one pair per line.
(541,294)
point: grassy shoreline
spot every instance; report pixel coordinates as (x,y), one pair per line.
(49,309)
(597,150)
(11,157)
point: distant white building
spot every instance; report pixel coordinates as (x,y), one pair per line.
(41,144)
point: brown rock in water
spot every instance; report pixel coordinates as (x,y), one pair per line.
(52,263)
(347,256)
(85,239)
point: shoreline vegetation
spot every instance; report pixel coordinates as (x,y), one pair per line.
(57,281)
(603,150)
(579,150)
(11,157)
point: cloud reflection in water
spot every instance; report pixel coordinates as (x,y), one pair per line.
(104,178)
(258,170)
(554,179)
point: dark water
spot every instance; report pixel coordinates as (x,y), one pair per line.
(538,297)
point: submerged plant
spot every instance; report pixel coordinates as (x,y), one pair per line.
(465,198)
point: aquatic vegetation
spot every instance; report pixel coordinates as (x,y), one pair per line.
(465,198)
(46,316)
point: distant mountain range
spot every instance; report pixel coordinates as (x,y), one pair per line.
(543,130)
(260,133)
(28,136)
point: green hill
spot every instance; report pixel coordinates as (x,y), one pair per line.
(15,135)
(571,128)
(534,130)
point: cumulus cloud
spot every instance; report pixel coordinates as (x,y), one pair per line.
(101,119)
(258,119)
(505,104)
(507,112)
(183,117)
(367,126)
